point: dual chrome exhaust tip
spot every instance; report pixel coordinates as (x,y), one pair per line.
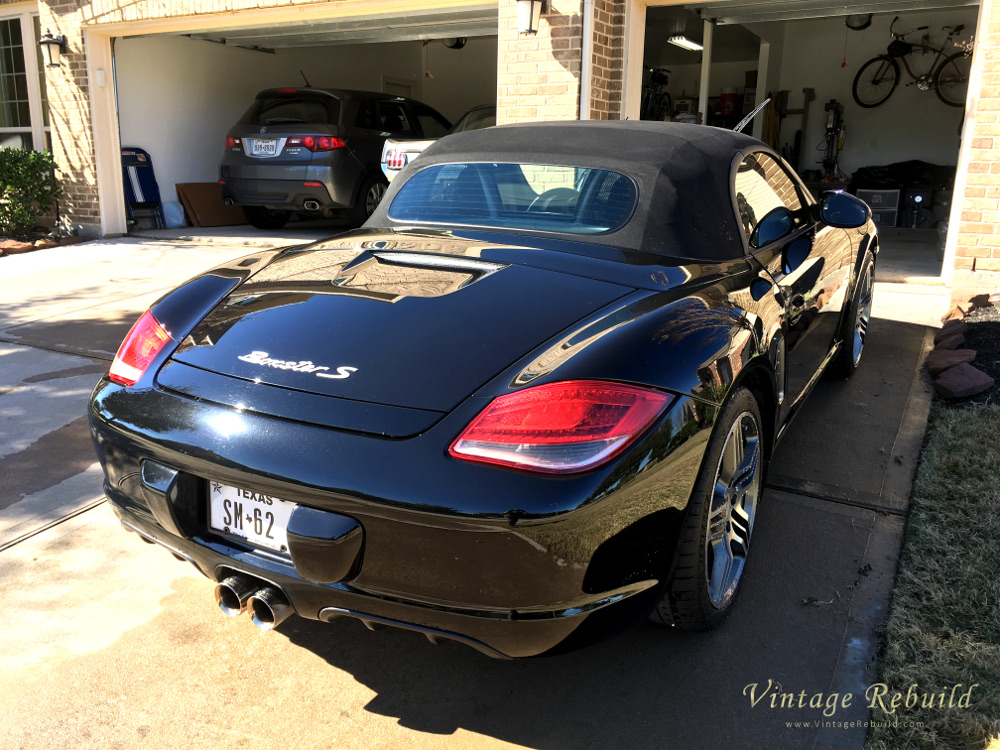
(268,606)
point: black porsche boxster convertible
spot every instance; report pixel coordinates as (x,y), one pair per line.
(529,403)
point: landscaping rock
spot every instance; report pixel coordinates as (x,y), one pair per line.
(940,360)
(45,243)
(71,240)
(12,247)
(977,302)
(950,342)
(955,313)
(951,328)
(995,300)
(962,381)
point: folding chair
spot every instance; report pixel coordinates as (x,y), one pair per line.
(142,194)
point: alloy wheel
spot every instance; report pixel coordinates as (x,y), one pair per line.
(734,507)
(866,292)
(374,197)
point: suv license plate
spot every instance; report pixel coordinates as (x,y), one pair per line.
(265,147)
(258,518)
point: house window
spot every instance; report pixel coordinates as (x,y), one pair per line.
(24,112)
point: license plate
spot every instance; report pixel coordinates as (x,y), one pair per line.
(258,518)
(265,146)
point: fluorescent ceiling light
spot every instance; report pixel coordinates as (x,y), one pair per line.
(679,40)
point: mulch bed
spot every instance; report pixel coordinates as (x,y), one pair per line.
(983,336)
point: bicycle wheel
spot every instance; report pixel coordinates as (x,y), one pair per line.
(951,79)
(876,81)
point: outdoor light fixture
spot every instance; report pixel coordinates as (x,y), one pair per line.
(679,40)
(528,14)
(53,48)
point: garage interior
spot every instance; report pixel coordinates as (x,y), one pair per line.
(178,94)
(799,46)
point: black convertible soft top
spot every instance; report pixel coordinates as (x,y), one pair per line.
(685,208)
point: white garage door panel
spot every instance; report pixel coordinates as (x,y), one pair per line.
(788,10)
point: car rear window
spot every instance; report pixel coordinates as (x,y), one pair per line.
(293,109)
(538,197)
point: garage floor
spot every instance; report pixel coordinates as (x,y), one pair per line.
(118,644)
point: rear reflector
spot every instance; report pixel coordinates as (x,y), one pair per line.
(285,91)
(312,184)
(560,427)
(146,339)
(316,142)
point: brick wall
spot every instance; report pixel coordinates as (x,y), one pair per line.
(608,60)
(69,113)
(538,75)
(977,245)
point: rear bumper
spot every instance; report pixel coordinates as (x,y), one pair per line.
(290,195)
(497,634)
(440,552)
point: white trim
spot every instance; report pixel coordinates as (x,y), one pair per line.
(706,68)
(34,90)
(107,142)
(587,59)
(635,43)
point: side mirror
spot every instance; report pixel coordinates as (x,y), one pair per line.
(775,225)
(844,210)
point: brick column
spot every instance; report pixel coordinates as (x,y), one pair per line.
(977,245)
(538,75)
(69,115)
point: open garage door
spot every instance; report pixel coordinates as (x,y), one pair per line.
(807,55)
(178,94)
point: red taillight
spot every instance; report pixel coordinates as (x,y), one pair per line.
(396,160)
(316,143)
(146,339)
(560,427)
(285,91)
(232,143)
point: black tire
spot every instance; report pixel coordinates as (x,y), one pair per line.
(875,81)
(266,218)
(854,334)
(699,595)
(951,79)
(369,196)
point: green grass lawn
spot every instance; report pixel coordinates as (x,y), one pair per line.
(944,620)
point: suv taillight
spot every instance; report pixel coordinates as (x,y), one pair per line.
(232,143)
(316,142)
(560,427)
(396,160)
(146,339)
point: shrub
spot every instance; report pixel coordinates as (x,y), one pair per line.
(28,188)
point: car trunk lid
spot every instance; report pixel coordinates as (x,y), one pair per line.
(414,330)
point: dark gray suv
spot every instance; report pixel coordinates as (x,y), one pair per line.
(316,151)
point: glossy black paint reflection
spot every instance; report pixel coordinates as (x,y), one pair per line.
(434,324)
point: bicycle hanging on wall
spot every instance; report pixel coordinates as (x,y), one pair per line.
(948,75)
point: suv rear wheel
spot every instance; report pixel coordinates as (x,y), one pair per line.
(369,197)
(266,218)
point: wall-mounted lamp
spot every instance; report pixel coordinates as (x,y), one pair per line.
(53,48)
(529,12)
(679,40)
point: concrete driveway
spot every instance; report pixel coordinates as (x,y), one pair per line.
(108,642)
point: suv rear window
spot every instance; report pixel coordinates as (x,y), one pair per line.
(563,199)
(276,110)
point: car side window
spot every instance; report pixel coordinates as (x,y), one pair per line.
(367,117)
(393,119)
(762,186)
(432,124)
